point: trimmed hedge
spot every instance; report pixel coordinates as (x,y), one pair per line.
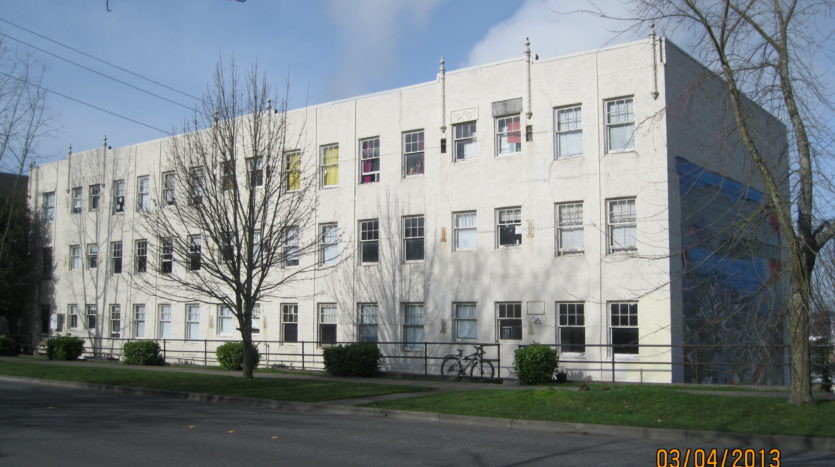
(353,360)
(64,348)
(231,355)
(535,364)
(8,346)
(142,353)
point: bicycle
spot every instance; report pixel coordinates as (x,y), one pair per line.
(455,366)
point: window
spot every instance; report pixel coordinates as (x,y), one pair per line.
(115,321)
(255,166)
(227,175)
(256,318)
(330,165)
(141,256)
(168,188)
(293,170)
(413,153)
(624,327)
(49,206)
(225,320)
(369,241)
(464,324)
(143,193)
(47,262)
(165,321)
(370,160)
(569,132)
(72,311)
(195,257)
(464,231)
(329,234)
(413,238)
(508,135)
(192,321)
(139,321)
(92,310)
(572,331)
(197,183)
(77,200)
(291,246)
(508,227)
(620,125)
(510,320)
(256,245)
(166,258)
(622,225)
(92,256)
(569,228)
(327,323)
(75,257)
(227,246)
(413,334)
(289,322)
(464,141)
(118,196)
(115,257)
(368,321)
(94,197)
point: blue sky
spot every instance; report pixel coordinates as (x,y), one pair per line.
(327,49)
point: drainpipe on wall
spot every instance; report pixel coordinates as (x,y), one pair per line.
(442,78)
(654,92)
(529,113)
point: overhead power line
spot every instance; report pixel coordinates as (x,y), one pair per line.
(101,60)
(29,83)
(97,72)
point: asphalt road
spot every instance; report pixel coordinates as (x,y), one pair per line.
(44,425)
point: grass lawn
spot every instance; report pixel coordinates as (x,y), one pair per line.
(646,406)
(300,390)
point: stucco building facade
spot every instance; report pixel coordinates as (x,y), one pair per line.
(517,202)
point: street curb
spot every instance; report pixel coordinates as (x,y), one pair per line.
(669,434)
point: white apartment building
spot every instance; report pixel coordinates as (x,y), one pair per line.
(526,201)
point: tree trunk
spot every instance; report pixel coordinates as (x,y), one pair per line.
(801,386)
(249,361)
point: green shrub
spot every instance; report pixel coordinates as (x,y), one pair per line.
(8,346)
(64,348)
(142,353)
(535,364)
(231,355)
(353,360)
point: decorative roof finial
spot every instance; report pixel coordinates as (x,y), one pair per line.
(269,104)
(528,47)
(69,150)
(652,31)
(442,68)
(105,140)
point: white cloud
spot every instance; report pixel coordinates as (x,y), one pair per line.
(370,30)
(554,30)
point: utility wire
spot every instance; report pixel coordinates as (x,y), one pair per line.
(101,60)
(97,72)
(28,83)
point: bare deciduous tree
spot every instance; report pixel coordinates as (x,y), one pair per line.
(765,51)
(234,202)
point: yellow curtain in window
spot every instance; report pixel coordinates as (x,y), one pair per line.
(294,172)
(330,163)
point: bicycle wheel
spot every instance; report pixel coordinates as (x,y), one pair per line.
(481,371)
(451,369)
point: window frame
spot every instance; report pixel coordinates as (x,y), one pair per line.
(192,328)
(612,226)
(568,226)
(320,315)
(507,134)
(363,242)
(609,125)
(75,259)
(94,197)
(225,318)
(502,307)
(169,187)
(119,197)
(456,230)
(91,311)
(72,312)
(47,262)
(293,170)
(370,154)
(325,167)
(414,235)
(115,321)
(498,226)
(166,255)
(197,185)
(254,171)
(458,320)
(409,344)
(139,318)
(48,205)
(414,149)
(140,256)
(630,349)
(164,326)
(195,252)
(77,200)
(116,253)
(574,319)
(292,251)
(574,127)
(327,245)
(289,320)
(368,319)
(143,196)
(471,138)
(92,256)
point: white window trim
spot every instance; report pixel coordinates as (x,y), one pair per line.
(407,153)
(324,167)
(189,321)
(456,319)
(498,319)
(573,227)
(498,230)
(607,125)
(625,356)
(455,230)
(498,135)
(558,327)
(610,247)
(558,132)
(374,173)
(413,346)
(421,237)
(474,139)
(361,241)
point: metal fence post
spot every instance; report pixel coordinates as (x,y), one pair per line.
(612,352)
(499,360)
(163,350)
(425,360)
(303,355)
(205,352)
